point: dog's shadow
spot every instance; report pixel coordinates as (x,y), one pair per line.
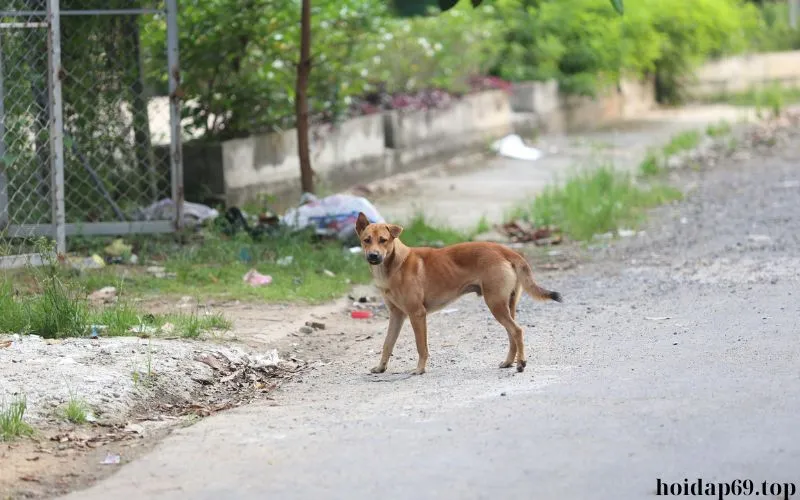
(386,377)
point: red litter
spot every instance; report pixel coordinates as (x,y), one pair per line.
(360,314)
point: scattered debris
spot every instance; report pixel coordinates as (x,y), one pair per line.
(656,318)
(84,263)
(759,238)
(105,295)
(193,213)
(328,273)
(254,278)
(361,314)
(143,331)
(448,311)
(316,325)
(285,261)
(110,459)
(160,272)
(333,216)
(306,329)
(118,249)
(626,233)
(512,146)
(134,428)
(521,232)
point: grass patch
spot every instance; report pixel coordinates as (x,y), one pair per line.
(594,202)
(773,97)
(421,232)
(650,166)
(683,141)
(12,420)
(212,264)
(720,129)
(34,313)
(76,411)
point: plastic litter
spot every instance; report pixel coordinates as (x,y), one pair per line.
(254,278)
(361,314)
(285,261)
(512,146)
(83,263)
(110,459)
(333,215)
(118,248)
(193,213)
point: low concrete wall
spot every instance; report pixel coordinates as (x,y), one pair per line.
(468,123)
(269,163)
(548,110)
(363,149)
(746,72)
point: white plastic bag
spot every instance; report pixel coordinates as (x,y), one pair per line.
(332,215)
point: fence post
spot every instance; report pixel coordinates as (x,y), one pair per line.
(56,125)
(175,151)
(4,211)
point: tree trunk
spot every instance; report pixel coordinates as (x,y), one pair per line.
(301,99)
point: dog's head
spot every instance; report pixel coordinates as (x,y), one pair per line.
(377,240)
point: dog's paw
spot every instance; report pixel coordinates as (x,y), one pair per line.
(506,364)
(418,371)
(377,369)
(521,364)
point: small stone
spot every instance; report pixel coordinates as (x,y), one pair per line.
(306,329)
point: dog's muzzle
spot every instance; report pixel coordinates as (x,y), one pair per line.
(374,258)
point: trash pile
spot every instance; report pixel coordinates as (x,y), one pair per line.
(232,380)
(332,216)
(520,231)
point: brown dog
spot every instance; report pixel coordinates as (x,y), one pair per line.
(417,281)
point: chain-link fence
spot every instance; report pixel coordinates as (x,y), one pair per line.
(89,122)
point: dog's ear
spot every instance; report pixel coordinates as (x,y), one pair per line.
(395,230)
(361,223)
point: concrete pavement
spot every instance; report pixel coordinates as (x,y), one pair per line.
(674,356)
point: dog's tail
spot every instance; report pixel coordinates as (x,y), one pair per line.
(525,277)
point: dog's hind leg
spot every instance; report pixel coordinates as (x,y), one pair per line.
(516,348)
(514,300)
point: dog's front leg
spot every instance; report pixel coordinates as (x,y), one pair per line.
(419,323)
(396,320)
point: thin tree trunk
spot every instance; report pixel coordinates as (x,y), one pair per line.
(301,99)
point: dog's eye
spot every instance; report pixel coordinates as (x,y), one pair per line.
(382,239)
(367,240)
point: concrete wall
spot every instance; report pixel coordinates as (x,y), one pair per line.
(268,163)
(418,137)
(361,150)
(746,72)
(545,109)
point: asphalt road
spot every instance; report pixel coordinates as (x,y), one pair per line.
(674,356)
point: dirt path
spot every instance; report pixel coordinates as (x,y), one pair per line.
(674,356)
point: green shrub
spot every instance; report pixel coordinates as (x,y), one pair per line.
(695,31)
(775,33)
(438,51)
(586,46)
(238,60)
